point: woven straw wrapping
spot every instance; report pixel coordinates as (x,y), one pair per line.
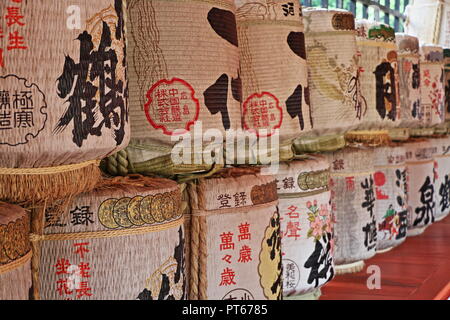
(53,110)
(427,20)
(442,176)
(409,80)
(353,203)
(390,191)
(421,191)
(336,100)
(122,241)
(307,225)
(379,77)
(432,85)
(183,65)
(15,253)
(273,68)
(447,83)
(235,243)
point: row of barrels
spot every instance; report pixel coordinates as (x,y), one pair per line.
(239,234)
(124,79)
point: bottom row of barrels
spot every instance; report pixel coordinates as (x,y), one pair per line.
(241,234)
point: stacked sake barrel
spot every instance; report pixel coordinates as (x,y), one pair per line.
(235,246)
(391,178)
(427,19)
(307,227)
(442,176)
(275,90)
(334,79)
(379,83)
(409,84)
(421,190)
(64,97)
(184,80)
(353,202)
(432,85)
(124,240)
(15,253)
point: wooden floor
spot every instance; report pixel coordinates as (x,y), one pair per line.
(419,269)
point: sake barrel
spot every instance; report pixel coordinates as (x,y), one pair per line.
(184,80)
(15,253)
(390,190)
(432,80)
(447,84)
(235,237)
(122,241)
(421,190)
(273,68)
(427,20)
(334,76)
(379,77)
(409,80)
(63,90)
(353,202)
(442,176)
(307,225)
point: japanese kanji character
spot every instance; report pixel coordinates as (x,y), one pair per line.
(81,249)
(228,276)
(227,241)
(61,266)
(244,232)
(245,254)
(63,287)
(83,290)
(14,17)
(81,216)
(16,41)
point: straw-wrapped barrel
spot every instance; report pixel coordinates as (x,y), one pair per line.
(307,227)
(63,89)
(273,68)
(379,78)
(15,253)
(421,190)
(334,78)
(409,82)
(184,80)
(432,85)
(442,176)
(353,202)
(235,247)
(122,241)
(390,190)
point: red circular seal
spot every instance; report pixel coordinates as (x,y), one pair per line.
(262,111)
(172,106)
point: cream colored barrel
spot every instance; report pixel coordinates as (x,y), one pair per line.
(184,80)
(379,77)
(353,201)
(307,226)
(432,81)
(15,253)
(122,241)
(334,76)
(442,176)
(391,179)
(427,20)
(409,80)
(235,242)
(63,94)
(273,68)
(421,190)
